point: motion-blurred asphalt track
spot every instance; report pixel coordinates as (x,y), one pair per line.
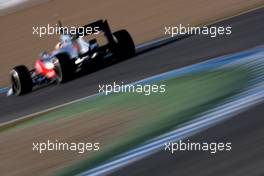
(247,32)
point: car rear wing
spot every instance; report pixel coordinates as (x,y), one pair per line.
(100,25)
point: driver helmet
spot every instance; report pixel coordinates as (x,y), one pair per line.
(58,45)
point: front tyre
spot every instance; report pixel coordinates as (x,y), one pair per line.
(21,80)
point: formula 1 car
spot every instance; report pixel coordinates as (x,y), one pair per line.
(71,55)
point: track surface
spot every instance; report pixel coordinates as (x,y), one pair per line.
(245,132)
(247,31)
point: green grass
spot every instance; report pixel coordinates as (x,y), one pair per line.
(151,115)
(185,97)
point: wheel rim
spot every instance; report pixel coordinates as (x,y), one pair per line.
(16,85)
(57,70)
(58,73)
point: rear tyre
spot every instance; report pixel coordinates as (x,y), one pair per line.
(21,80)
(124,47)
(64,68)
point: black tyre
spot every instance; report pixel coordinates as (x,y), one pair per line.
(21,80)
(64,68)
(124,47)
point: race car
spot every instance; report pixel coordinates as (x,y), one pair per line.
(71,55)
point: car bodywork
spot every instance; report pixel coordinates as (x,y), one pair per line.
(71,55)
